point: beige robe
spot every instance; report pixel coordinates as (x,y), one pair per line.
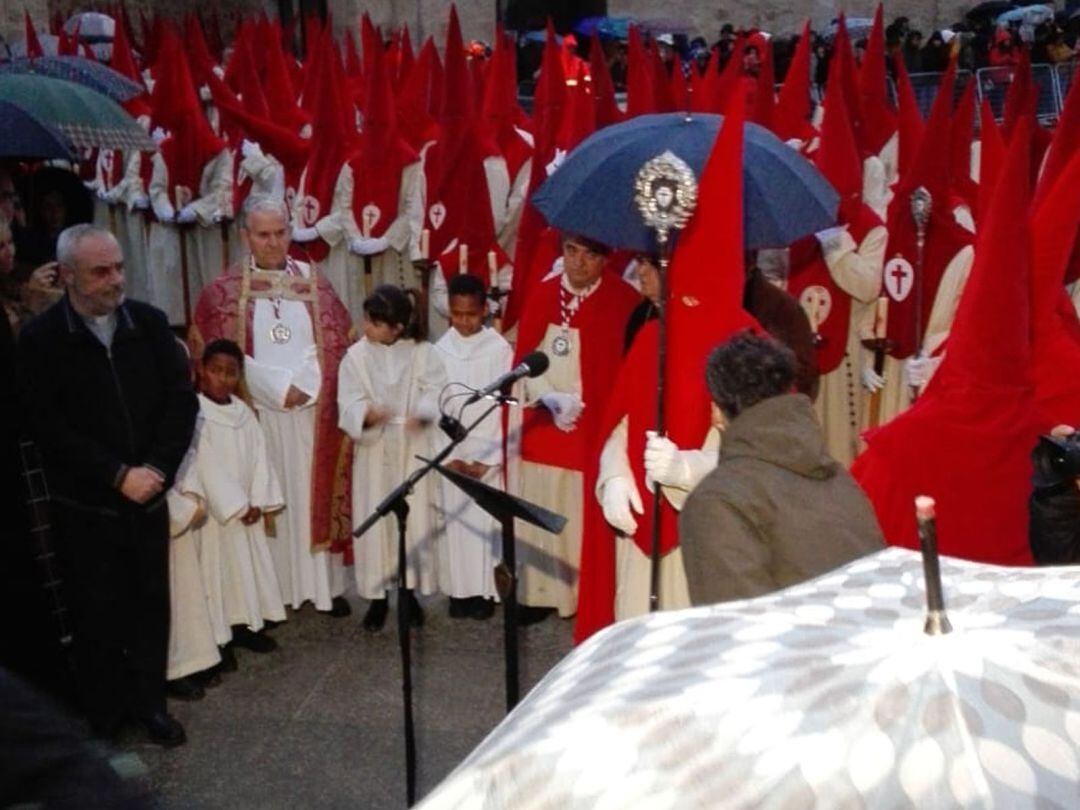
(347,271)
(856,269)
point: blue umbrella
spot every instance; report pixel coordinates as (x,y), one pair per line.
(23,136)
(592,192)
(77,69)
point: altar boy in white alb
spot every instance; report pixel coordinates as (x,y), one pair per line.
(234,471)
(474,355)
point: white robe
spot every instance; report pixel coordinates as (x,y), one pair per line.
(192,647)
(204,246)
(405,379)
(233,470)
(114,209)
(344,269)
(471,546)
(303,575)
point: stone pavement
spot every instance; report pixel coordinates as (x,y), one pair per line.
(318,724)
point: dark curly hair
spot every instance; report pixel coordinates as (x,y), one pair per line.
(747,369)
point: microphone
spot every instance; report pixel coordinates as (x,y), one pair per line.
(532,365)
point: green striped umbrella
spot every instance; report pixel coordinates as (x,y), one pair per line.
(86,118)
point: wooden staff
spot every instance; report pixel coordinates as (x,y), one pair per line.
(493,284)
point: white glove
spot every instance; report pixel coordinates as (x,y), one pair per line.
(140,202)
(186,216)
(304,234)
(249,148)
(102,193)
(158,135)
(368,247)
(164,211)
(919,370)
(871,380)
(619,499)
(664,462)
(565,408)
(795,143)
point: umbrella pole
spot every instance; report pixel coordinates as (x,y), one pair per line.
(937,623)
(185,283)
(661,420)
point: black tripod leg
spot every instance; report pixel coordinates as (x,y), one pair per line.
(404,601)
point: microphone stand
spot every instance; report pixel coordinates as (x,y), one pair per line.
(395,503)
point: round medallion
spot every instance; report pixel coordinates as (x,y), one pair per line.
(561,345)
(280,333)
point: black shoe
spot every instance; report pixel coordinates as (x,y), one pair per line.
(228,659)
(256,642)
(185,689)
(375,617)
(339,608)
(460,608)
(527,615)
(416,613)
(164,730)
(481,609)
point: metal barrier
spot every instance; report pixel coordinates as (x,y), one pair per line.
(994,82)
(1063,75)
(925,87)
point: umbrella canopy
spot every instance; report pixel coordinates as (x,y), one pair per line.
(98,77)
(92,26)
(86,118)
(592,192)
(857,28)
(23,136)
(827,694)
(991,8)
(605,27)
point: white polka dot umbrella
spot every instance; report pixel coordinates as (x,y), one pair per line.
(828,694)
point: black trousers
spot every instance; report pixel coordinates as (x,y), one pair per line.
(116,580)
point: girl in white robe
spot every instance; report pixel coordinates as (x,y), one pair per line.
(388,389)
(474,355)
(233,469)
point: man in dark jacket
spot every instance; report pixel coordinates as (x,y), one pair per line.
(777,510)
(110,405)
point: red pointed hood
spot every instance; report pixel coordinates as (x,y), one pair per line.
(837,155)
(960,135)
(764,109)
(723,85)
(199,56)
(191,143)
(406,58)
(354,69)
(370,41)
(579,115)
(123,62)
(843,59)
(500,110)
(1021,97)
(417,124)
(1064,146)
(603,89)
(1055,364)
(281,94)
(793,108)
(991,155)
(640,94)
(382,154)
(909,120)
(33,44)
(878,116)
(967,441)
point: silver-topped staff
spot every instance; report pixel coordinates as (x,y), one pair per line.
(665,192)
(922,204)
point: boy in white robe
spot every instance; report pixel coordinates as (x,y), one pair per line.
(388,391)
(474,355)
(233,469)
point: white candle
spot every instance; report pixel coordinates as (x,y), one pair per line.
(425,244)
(881,318)
(493,269)
(463,259)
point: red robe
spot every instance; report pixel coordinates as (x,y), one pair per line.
(217,315)
(601,320)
